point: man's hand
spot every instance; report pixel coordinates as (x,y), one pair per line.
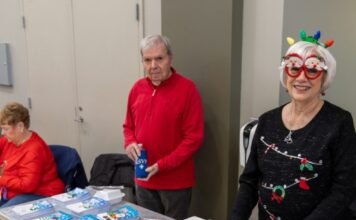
(152,170)
(133,151)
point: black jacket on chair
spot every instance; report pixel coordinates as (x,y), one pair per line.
(112,170)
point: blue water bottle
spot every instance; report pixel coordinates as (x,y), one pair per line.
(141,164)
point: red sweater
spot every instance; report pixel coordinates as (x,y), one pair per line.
(29,168)
(168,121)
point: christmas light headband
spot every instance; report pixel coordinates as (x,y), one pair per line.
(312,39)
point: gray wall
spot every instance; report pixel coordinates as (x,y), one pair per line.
(206,38)
(335,20)
(262,40)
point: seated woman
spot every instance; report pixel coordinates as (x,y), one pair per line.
(303,156)
(27,167)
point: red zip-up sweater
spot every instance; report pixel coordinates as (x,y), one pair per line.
(29,168)
(168,121)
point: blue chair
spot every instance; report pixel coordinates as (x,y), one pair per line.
(69,167)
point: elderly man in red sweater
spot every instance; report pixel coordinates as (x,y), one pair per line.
(165,115)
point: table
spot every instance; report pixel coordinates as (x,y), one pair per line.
(145,214)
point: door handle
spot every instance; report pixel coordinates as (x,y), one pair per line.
(79,120)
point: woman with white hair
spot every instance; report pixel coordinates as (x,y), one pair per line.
(303,157)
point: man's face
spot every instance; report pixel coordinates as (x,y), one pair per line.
(157,63)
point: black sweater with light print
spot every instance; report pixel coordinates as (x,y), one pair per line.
(311,178)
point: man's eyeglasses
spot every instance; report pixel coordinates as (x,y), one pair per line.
(312,66)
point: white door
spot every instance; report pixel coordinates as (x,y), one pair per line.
(51,64)
(83,58)
(107,64)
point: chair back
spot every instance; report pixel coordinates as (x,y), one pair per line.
(247,132)
(114,170)
(69,166)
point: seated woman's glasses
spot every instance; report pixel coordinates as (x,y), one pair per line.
(312,66)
